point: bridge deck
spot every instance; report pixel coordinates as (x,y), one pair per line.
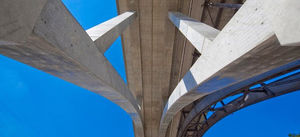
(157,56)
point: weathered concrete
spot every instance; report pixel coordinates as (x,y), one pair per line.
(149,46)
(284,17)
(58,45)
(184,54)
(151,39)
(17,19)
(196,32)
(156,54)
(243,49)
(131,44)
(107,32)
(212,16)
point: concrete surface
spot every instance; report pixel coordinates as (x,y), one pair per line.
(196,32)
(283,15)
(58,45)
(157,55)
(148,47)
(243,49)
(17,19)
(107,32)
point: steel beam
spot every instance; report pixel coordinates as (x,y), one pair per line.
(231,90)
(107,32)
(58,45)
(199,34)
(256,95)
(242,50)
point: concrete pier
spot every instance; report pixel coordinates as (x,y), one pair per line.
(181,56)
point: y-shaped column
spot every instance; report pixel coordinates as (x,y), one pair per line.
(58,45)
(246,47)
(106,33)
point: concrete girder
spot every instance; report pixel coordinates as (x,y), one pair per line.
(107,32)
(221,94)
(199,34)
(246,47)
(252,96)
(17,19)
(58,45)
(284,17)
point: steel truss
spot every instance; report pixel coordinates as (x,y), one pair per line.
(212,113)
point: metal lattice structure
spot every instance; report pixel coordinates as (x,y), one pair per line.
(235,101)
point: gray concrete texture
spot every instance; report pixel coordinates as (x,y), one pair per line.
(107,32)
(58,45)
(17,19)
(284,17)
(148,51)
(196,32)
(243,49)
(253,45)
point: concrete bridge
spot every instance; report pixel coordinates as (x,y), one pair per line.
(184,58)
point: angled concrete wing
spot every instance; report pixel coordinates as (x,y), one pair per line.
(58,45)
(17,19)
(196,32)
(243,49)
(106,33)
(283,15)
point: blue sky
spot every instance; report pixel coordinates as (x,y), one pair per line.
(36,104)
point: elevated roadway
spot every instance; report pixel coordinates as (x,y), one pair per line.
(182,57)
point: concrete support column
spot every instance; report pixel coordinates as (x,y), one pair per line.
(58,45)
(106,33)
(17,18)
(199,34)
(242,50)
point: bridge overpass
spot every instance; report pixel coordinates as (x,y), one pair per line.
(184,58)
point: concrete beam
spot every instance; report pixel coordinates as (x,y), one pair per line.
(196,32)
(106,33)
(246,47)
(284,17)
(17,19)
(58,45)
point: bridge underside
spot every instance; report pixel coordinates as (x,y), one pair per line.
(157,55)
(183,57)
